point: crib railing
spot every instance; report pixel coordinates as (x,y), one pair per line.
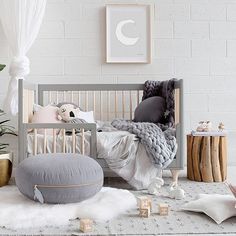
(107,101)
(88,127)
(105,104)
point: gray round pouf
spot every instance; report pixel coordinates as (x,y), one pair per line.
(59,178)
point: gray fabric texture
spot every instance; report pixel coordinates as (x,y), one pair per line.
(75,121)
(60,178)
(63,103)
(163,89)
(150,110)
(160,145)
(158,139)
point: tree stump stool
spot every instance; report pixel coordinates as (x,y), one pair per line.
(207,158)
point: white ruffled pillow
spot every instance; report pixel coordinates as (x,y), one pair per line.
(87,116)
(218,207)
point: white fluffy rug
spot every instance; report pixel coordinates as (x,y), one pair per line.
(18,211)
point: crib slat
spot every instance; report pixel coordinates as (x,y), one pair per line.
(115,104)
(177,106)
(35,142)
(45,141)
(64,96)
(100,105)
(54,141)
(63,140)
(49,97)
(82,141)
(73,140)
(108,105)
(57,97)
(137,97)
(79,98)
(86,100)
(130,105)
(30,104)
(72,96)
(123,105)
(25,105)
(94,102)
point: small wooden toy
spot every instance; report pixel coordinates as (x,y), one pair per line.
(144,212)
(143,202)
(86,225)
(163,209)
(204,126)
(145,206)
(221,127)
(150,202)
(176,192)
(155,186)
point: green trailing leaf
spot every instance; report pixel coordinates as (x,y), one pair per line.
(5,129)
(4,121)
(2,67)
(3,146)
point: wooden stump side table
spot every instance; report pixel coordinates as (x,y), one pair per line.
(207,158)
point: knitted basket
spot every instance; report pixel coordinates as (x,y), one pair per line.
(5,168)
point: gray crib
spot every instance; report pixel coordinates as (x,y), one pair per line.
(108,101)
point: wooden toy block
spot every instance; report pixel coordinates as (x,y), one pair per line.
(150,202)
(86,225)
(163,209)
(143,202)
(144,212)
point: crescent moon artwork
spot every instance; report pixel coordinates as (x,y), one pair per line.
(127,41)
(128,33)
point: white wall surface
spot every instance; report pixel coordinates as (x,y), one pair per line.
(194,40)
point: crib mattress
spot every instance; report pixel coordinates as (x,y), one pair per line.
(104,142)
(49,147)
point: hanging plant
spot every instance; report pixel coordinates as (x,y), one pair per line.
(2,67)
(6,157)
(5,129)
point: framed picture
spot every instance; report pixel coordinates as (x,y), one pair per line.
(128,33)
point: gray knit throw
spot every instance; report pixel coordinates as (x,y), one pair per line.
(158,139)
(160,145)
(163,89)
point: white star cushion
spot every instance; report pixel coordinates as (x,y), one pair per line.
(218,207)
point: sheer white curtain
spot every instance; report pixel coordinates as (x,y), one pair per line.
(21,21)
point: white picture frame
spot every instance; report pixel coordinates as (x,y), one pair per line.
(128,33)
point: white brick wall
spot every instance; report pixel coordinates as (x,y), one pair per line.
(192,39)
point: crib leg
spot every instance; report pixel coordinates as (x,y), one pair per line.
(175,176)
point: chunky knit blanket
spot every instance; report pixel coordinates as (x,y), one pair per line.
(158,139)
(160,145)
(163,89)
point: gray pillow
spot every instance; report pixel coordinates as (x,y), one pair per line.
(59,178)
(150,110)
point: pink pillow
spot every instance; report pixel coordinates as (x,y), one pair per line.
(47,114)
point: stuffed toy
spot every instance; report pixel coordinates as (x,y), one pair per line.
(155,185)
(71,114)
(176,192)
(67,112)
(204,126)
(221,127)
